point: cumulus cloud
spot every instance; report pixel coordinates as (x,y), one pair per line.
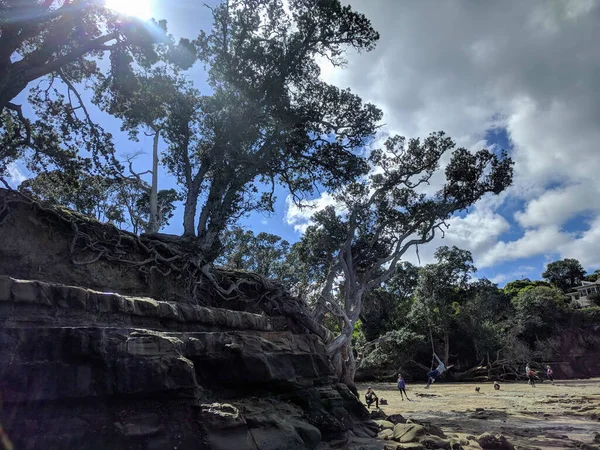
(299,217)
(15,176)
(531,68)
(533,243)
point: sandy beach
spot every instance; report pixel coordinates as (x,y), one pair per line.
(563,415)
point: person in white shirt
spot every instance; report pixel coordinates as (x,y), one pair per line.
(436,373)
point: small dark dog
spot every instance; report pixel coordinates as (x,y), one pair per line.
(383,401)
(477,389)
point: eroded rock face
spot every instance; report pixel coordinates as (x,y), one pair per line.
(86,369)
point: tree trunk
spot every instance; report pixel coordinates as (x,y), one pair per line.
(153,225)
(342,357)
(189,212)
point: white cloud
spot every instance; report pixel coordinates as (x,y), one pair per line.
(299,218)
(465,67)
(585,248)
(15,176)
(533,243)
(556,206)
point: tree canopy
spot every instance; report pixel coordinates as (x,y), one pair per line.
(384,214)
(564,274)
(58,43)
(270,118)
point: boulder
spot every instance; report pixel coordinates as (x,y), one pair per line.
(386,434)
(395,418)
(488,441)
(384,424)
(434,442)
(377,414)
(408,432)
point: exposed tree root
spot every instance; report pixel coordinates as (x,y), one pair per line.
(172,257)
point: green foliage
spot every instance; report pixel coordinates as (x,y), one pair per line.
(385,308)
(440,289)
(538,311)
(564,274)
(593,276)
(393,348)
(513,288)
(58,44)
(270,118)
(264,253)
(122,201)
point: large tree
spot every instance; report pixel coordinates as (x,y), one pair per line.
(385,308)
(58,43)
(565,274)
(382,216)
(270,118)
(439,290)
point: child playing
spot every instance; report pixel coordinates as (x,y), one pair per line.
(402,387)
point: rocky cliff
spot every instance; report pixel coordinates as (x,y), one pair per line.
(86,369)
(124,359)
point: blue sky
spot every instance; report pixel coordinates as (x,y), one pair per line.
(514,75)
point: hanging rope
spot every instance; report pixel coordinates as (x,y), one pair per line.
(432,346)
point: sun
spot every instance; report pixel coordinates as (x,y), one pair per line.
(136,8)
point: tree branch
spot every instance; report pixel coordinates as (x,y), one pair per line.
(26,123)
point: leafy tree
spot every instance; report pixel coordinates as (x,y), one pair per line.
(513,288)
(383,215)
(123,201)
(439,290)
(143,102)
(537,312)
(91,195)
(57,43)
(394,348)
(564,274)
(264,253)
(270,118)
(385,308)
(485,314)
(593,276)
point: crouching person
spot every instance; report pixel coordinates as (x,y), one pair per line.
(371,397)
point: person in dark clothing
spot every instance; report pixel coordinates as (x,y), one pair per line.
(402,387)
(371,397)
(530,376)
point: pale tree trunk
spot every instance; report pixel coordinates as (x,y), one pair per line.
(190,207)
(340,349)
(446,354)
(153,224)
(342,358)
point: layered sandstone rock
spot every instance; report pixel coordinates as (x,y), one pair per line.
(86,369)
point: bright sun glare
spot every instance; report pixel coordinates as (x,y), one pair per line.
(136,8)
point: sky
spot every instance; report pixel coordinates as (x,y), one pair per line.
(523,76)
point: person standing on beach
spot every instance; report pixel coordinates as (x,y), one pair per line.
(402,387)
(550,374)
(530,376)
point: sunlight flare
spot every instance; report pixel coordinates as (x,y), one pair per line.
(136,8)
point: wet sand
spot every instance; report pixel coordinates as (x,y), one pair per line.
(563,415)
